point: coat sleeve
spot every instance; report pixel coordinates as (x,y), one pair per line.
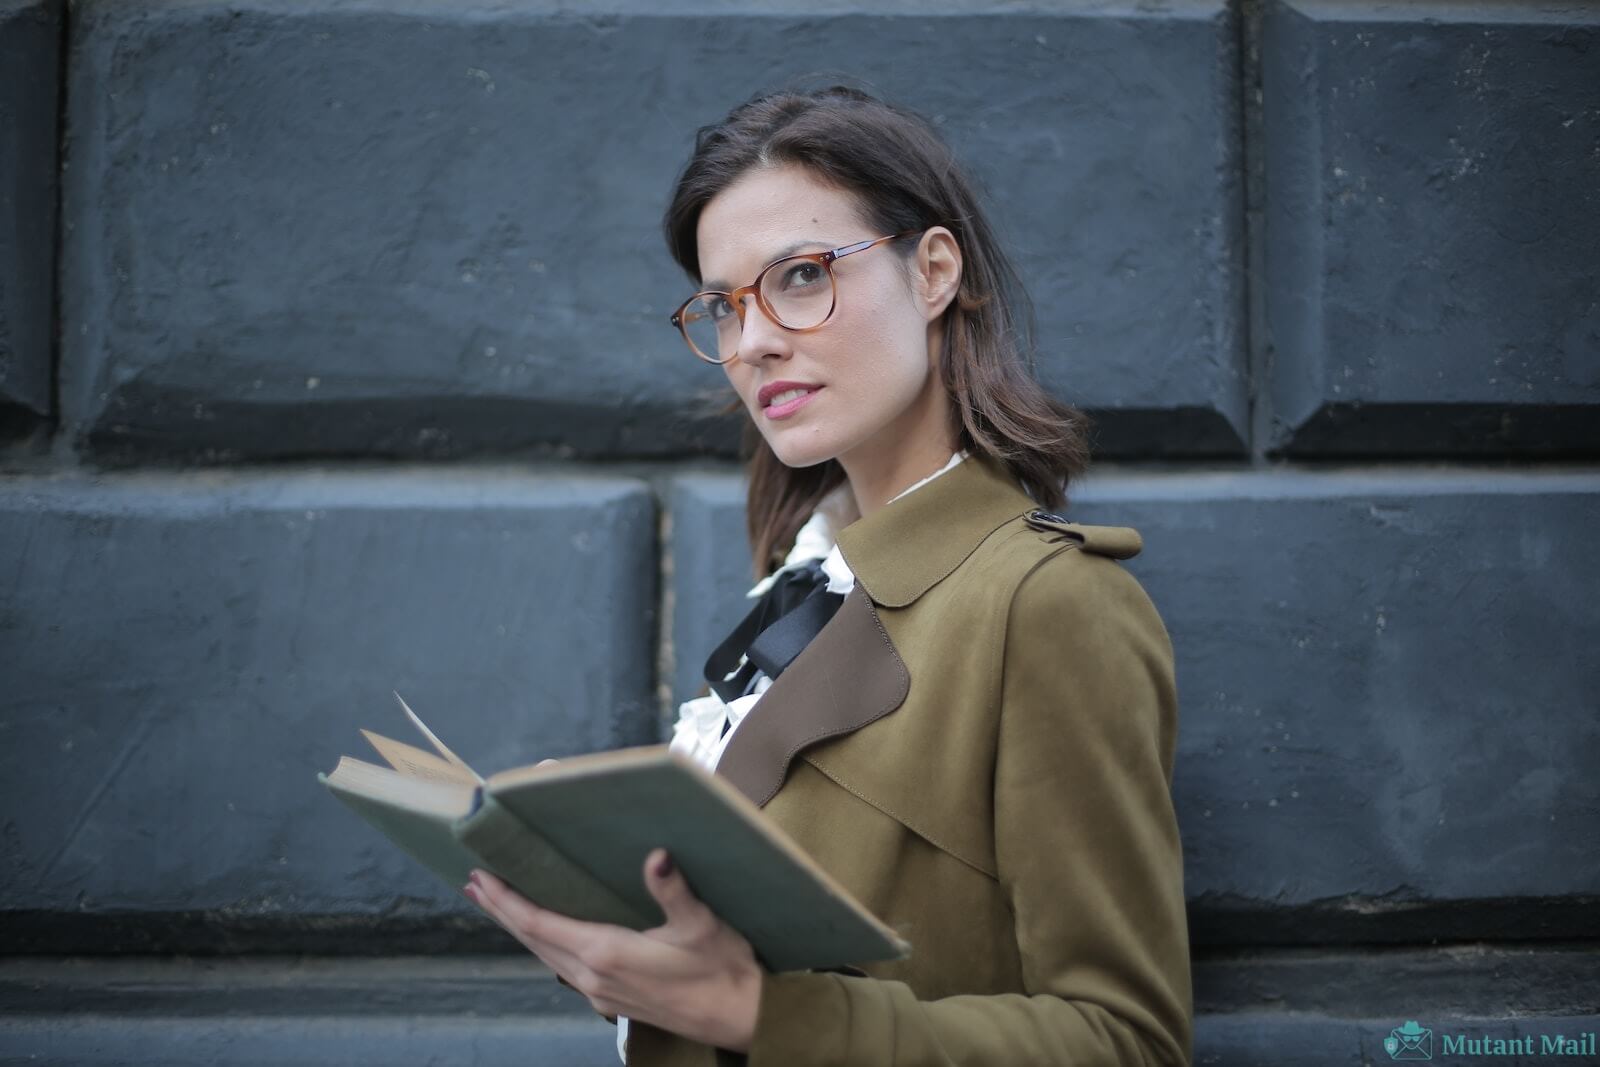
(1087,851)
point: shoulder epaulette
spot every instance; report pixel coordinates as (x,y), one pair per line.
(1118,542)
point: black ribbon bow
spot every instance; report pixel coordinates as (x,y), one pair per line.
(789,614)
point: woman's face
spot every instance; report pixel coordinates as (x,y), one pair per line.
(870,372)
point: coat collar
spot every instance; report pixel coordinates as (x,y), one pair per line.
(851,674)
(907,546)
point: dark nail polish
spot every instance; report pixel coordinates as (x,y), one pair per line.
(664,866)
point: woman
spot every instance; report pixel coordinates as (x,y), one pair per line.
(978,740)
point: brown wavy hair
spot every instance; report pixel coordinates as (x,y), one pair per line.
(904,177)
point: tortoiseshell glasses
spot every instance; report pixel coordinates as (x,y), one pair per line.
(796,292)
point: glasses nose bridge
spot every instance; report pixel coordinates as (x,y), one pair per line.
(754,342)
(737,297)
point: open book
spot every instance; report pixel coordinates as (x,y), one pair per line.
(572,837)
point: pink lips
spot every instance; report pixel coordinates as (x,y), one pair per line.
(783,411)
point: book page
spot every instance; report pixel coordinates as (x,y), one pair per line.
(446,801)
(436,743)
(415,763)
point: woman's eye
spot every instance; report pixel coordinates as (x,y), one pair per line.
(720,308)
(801,275)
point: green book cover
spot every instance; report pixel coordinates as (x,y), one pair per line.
(572,836)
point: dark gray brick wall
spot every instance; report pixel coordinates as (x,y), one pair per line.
(293,232)
(1433,210)
(485,1010)
(1268,233)
(709,576)
(29,56)
(183,654)
(1389,687)
(361,1040)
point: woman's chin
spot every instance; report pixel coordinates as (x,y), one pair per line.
(798,455)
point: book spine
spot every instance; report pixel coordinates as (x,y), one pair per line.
(527,862)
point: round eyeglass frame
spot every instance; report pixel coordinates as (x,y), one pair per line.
(736,298)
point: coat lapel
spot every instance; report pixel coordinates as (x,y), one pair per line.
(848,676)
(851,674)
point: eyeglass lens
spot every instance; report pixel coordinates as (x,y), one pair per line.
(799,292)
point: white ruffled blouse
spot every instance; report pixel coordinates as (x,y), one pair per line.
(698,733)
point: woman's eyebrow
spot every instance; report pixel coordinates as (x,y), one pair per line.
(798,246)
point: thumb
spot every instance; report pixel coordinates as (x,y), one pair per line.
(669,888)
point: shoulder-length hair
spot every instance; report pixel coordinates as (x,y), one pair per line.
(904,177)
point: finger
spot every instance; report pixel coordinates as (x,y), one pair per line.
(670,889)
(514,911)
(553,956)
(570,946)
(496,900)
(490,905)
(552,928)
(475,894)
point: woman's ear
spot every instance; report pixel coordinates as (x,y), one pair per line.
(937,271)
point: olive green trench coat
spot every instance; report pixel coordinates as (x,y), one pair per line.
(979,747)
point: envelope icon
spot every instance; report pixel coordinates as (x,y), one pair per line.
(1409,1042)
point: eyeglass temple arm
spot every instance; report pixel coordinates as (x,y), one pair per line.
(862,246)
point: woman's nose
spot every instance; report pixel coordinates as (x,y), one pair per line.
(759,336)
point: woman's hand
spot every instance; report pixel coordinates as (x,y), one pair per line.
(694,975)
